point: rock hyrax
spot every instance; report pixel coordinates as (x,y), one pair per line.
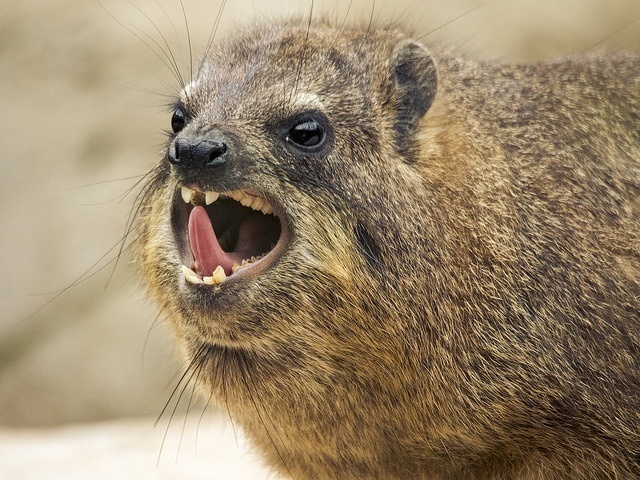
(387,262)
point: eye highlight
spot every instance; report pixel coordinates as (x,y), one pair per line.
(306,134)
(178,120)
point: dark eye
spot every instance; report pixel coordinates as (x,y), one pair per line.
(178,120)
(306,135)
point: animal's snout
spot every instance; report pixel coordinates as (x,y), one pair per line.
(198,153)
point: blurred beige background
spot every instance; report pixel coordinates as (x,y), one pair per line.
(82,95)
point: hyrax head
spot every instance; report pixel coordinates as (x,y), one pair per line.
(291,151)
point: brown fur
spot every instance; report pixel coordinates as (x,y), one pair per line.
(460,294)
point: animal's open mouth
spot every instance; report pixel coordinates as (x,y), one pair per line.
(222,235)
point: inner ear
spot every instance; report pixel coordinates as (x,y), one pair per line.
(415,82)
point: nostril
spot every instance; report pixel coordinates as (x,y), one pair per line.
(173,155)
(178,146)
(217,155)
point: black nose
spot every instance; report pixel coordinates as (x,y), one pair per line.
(197,154)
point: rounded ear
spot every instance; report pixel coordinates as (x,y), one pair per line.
(414,81)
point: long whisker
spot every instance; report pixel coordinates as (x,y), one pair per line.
(188,370)
(186,415)
(371,17)
(301,60)
(167,50)
(225,397)
(154,324)
(448,22)
(104,182)
(613,34)
(133,215)
(165,58)
(342,25)
(168,17)
(120,197)
(186,26)
(246,379)
(193,369)
(204,410)
(92,271)
(214,30)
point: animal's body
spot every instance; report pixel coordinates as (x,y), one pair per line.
(451,285)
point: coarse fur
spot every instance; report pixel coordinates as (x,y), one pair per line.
(459,296)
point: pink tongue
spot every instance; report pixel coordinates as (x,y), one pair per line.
(205,247)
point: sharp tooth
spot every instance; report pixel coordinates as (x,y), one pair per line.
(210,197)
(188,272)
(187,194)
(267,209)
(191,276)
(217,277)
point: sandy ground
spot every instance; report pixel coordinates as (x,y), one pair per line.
(82,89)
(130,449)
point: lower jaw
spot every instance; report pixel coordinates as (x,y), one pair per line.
(247,271)
(218,276)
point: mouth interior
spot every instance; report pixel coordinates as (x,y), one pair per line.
(229,235)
